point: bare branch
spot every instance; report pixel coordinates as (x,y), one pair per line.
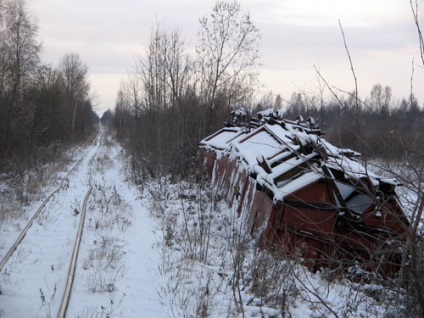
(420,35)
(351,65)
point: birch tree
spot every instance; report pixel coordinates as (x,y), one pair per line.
(228,55)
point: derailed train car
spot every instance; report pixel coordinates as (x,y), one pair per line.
(303,197)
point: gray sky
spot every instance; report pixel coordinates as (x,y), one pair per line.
(296,35)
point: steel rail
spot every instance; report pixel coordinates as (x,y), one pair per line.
(72,267)
(40,208)
(25,230)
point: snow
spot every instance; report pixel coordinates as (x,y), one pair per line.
(221,139)
(297,184)
(259,143)
(172,250)
(118,265)
(235,279)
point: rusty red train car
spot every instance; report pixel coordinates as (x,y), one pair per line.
(304,197)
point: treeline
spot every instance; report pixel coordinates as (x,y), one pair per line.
(41,107)
(174,97)
(377,126)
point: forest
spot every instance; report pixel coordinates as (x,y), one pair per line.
(42,108)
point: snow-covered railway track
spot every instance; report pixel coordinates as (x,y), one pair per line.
(116,271)
(47,238)
(25,230)
(63,184)
(73,265)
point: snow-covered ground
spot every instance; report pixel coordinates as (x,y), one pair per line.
(213,267)
(118,264)
(162,250)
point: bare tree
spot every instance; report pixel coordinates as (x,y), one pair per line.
(157,102)
(19,60)
(37,103)
(19,46)
(165,71)
(228,55)
(74,75)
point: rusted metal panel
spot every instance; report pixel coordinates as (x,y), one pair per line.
(293,244)
(247,204)
(232,176)
(221,167)
(317,194)
(310,209)
(387,216)
(310,220)
(208,158)
(351,239)
(240,198)
(230,170)
(260,212)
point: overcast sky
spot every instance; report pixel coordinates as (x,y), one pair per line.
(296,35)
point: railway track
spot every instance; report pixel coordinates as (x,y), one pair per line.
(63,183)
(73,265)
(17,259)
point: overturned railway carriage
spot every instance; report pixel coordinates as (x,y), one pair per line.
(304,197)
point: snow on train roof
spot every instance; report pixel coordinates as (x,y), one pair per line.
(281,144)
(222,138)
(260,142)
